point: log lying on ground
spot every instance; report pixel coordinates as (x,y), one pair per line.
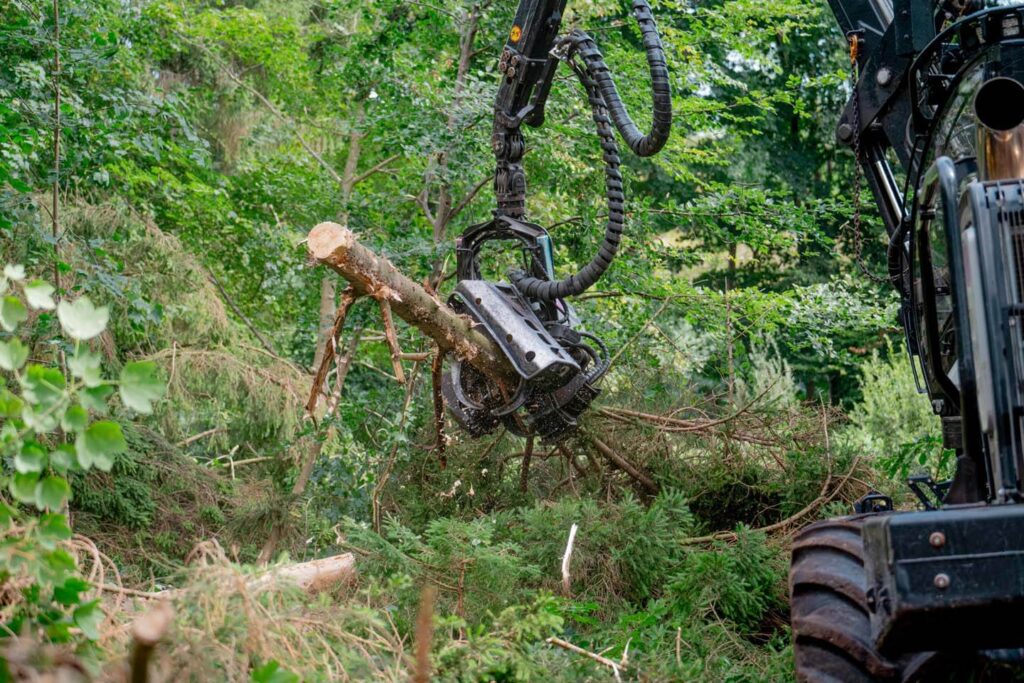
(371,275)
(313,576)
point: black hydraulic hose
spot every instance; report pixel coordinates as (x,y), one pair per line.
(608,108)
(549,290)
(642,145)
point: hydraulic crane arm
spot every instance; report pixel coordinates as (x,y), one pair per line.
(559,364)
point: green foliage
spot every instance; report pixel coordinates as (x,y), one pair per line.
(741,583)
(200,142)
(893,415)
(38,454)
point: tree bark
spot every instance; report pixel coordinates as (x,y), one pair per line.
(337,248)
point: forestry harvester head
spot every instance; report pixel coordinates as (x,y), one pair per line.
(557,363)
(927,595)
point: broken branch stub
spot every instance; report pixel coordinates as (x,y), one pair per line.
(336,247)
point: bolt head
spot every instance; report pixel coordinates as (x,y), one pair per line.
(937,539)
(845,132)
(942,581)
(883,77)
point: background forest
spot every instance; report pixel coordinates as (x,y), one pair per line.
(161,162)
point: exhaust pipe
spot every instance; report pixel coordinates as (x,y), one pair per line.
(999,111)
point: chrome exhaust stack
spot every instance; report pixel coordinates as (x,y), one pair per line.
(999,111)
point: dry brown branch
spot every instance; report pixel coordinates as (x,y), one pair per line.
(392,339)
(348,297)
(679,425)
(625,465)
(565,645)
(822,499)
(201,435)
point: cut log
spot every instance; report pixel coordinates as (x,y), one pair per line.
(312,576)
(337,248)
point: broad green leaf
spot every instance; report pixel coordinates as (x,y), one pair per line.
(10,405)
(67,593)
(96,398)
(39,294)
(14,272)
(98,445)
(52,493)
(140,386)
(53,528)
(7,515)
(59,562)
(42,386)
(81,320)
(12,313)
(63,458)
(88,617)
(23,487)
(271,672)
(76,418)
(31,458)
(86,366)
(39,419)
(13,355)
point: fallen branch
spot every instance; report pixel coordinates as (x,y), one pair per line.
(348,297)
(566,645)
(625,465)
(822,499)
(201,435)
(392,338)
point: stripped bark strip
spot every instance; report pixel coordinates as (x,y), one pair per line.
(392,338)
(348,297)
(567,558)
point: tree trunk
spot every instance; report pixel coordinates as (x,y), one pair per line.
(337,248)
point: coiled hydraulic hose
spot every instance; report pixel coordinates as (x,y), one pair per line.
(642,145)
(608,108)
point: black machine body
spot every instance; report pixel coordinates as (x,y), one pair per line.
(937,124)
(558,363)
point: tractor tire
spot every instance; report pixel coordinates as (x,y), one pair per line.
(832,640)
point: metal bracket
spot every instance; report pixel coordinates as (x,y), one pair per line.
(873,502)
